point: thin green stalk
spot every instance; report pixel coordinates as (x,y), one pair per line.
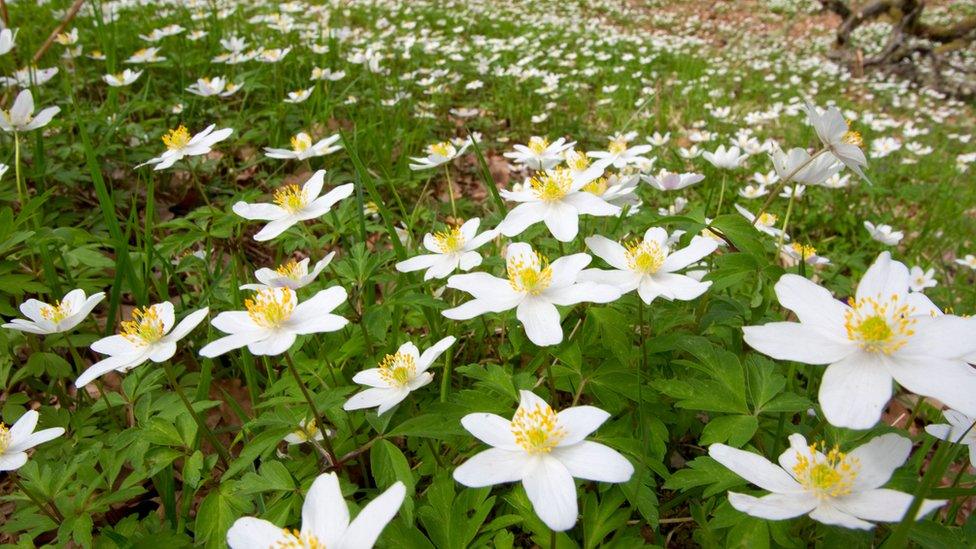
(721,194)
(315,411)
(49,508)
(786,223)
(446,377)
(450,189)
(21,191)
(222,452)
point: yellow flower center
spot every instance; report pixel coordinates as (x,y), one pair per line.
(140,53)
(597,186)
(449,241)
(803,250)
(4,438)
(645,257)
(443,149)
(145,326)
(852,137)
(294,539)
(308,431)
(617,146)
(271,307)
(537,430)
(767,219)
(829,476)
(292,270)
(291,197)
(538,145)
(57,312)
(301,142)
(577,161)
(176,139)
(530,274)
(398,369)
(879,327)
(552,186)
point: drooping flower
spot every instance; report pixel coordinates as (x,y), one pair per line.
(293,204)
(179,145)
(539,153)
(800,168)
(293,274)
(832,487)
(20,117)
(7,40)
(60,317)
(325,521)
(451,249)
(667,181)
(148,335)
(843,143)
(883,333)
(273,319)
(302,148)
(958,431)
(543,450)
(533,288)
(884,234)
(649,265)
(556,198)
(438,154)
(396,376)
(307,430)
(20,437)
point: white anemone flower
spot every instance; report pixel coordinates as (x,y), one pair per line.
(533,288)
(325,521)
(145,55)
(149,334)
(450,250)
(303,148)
(539,153)
(804,170)
(968,261)
(7,37)
(543,450)
(179,145)
(60,317)
(396,376)
(959,430)
(208,87)
(884,234)
(921,279)
(438,154)
(299,96)
(619,154)
(725,158)
(617,190)
(273,320)
(293,274)
(649,265)
(307,431)
(124,78)
(766,223)
(293,204)
(843,143)
(20,437)
(832,487)
(667,181)
(20,117)
(883,333)
(556,198)
(27,77)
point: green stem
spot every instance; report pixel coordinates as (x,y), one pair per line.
(721,194)
(21,192)
(786,222)
(49,508)
(222,452)
(315,412)
(450,190)
(446,377)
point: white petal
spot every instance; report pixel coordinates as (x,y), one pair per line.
(755,469)
(541,321)
(698,248)
(253,533)
(579,421)
(883,279)
(812,304)
(593,461)
(491,429)
(274,228)
(368,398)
(609,251)
(566,269)
(12,461)
(879,458)
(313,187)
(773,506)
(417,263)
(35,439)
(371,521)
(552,492)
(324,513)
(431,353)
(951,381)
(882,505)
(521,217)
(229,343)
(492,466)
(259,212)
(276,342)
(835,517)
(854,391)
(562,220)
(795,341)
(187,325)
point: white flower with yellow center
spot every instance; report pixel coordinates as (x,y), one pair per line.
(450,249)
(148,335)
(617,189)
(543,450)
(556,198)
(533,288)
(145,55)
(293,204)
(302,147)
(20,117)
(843,143)
(959,430)
(668,181)
(307,430)
(325,521)
(649,265)
(833,487)
(58,317)
(884,234)
(124,78)
(882,333)
(20,437)
(293,274)
(766,223)
(397,375)
(725,158)
(179,145)
(619,154)
(539,153)
(968,261)
(273,319)
(299,96)
(218,85)
(438,154)
(795,252)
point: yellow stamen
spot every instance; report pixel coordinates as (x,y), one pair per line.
(145,326)
(270,308)
(537,144)
(294,539)
(767,219)
(537,430)
(292,270)
(597,186)
(291,197)
(530,274)
(398,369)
(805,251)
(177,139)
(645,257)
(617,146)
(301,142)
(308,431)
(57,312)
(443,149)
(828,476)
(552,185)
(852,137)
(450,240)
(879,327)
(5,438)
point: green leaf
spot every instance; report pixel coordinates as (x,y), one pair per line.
(743,234)
(736,430)
(216,514)
(704,471)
